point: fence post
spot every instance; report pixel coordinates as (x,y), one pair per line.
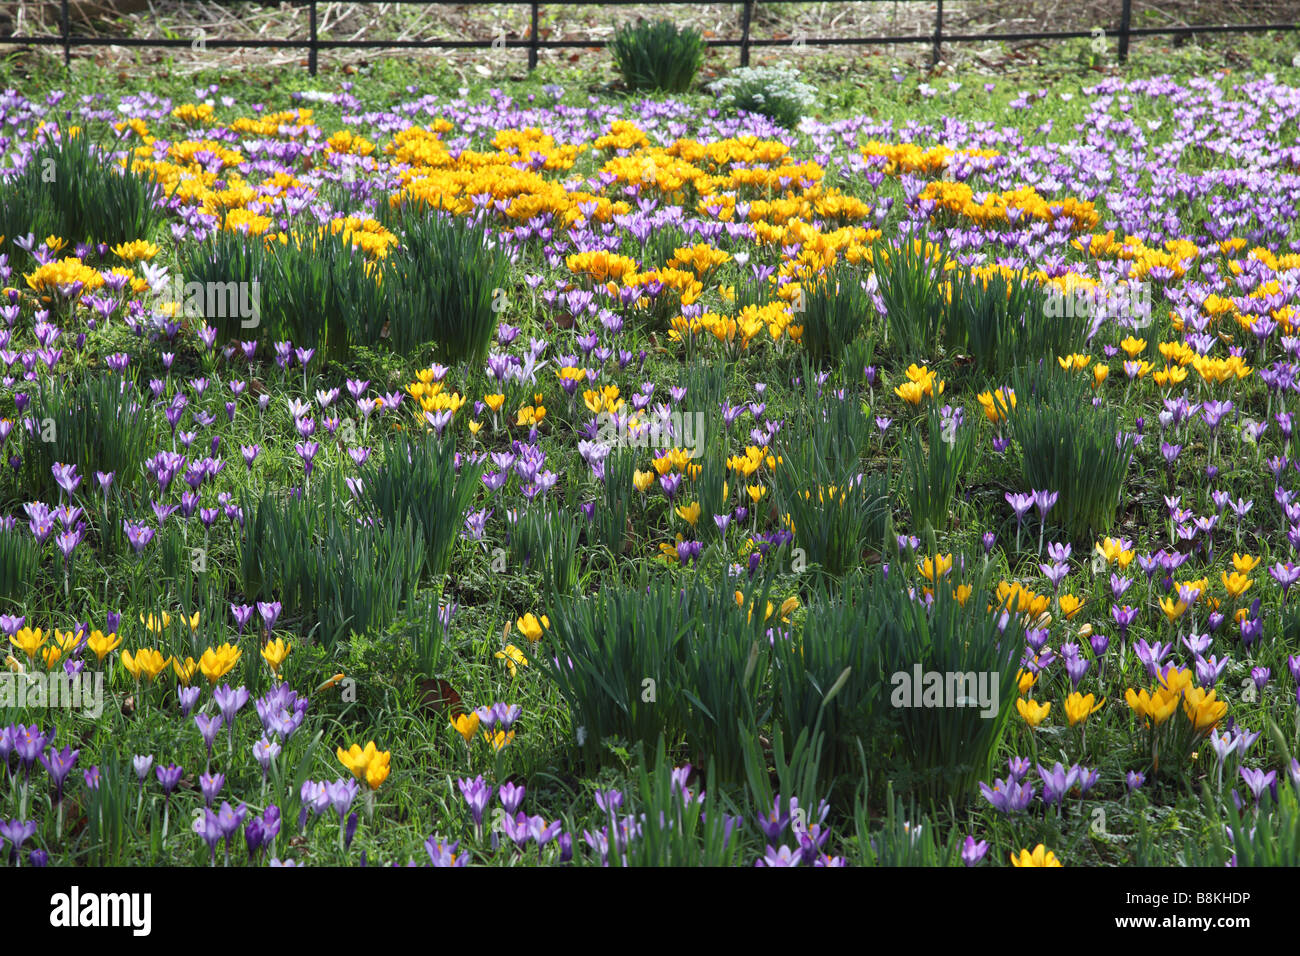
(311,53)
(66,33)
(938,33)
(746,15)
(533,40)
(1125,20)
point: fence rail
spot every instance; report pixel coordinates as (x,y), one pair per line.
(313,43)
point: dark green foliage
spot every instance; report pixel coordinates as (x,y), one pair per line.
(836,509)
(911,282)
(546,539)
(71,189)
(445,286)
(326,564)
(934,468)
(226,260)
(19,558)
(947,748)
(1071,447)
(833,309)
(418,480)
(98,423)
(615,495)
(657,55)
(697,831)
(827,677)
(323,293)
(1005,324)
(686,663)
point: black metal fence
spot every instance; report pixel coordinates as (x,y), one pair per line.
(1123,31)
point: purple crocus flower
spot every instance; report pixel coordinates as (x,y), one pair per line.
(1007,796)
(1123,617)
(505,715)
(510,796)
(516,829)
(17,832)
(270,612)
(541,832)
(59,764)
(1151,655)
(1208,671)
(264,752)
(168,778)
(139,535)
(444,854)
(1020,504)
(210,784)
(1258,781)
(186,698)
(609,800)
(208,827)
(143,764)
(208,727)
(782,857)
(341,793)
(774,824)
(972,852)
(242,614)
(229,702)
(1044,502)
(1057,782)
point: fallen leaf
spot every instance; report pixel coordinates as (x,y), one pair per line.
(437,697)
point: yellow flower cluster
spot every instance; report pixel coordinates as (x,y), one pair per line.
(959,199)
(1203,711)
(910,158)
(369,764)
(63,273)
(920,384)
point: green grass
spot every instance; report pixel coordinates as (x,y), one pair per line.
(382,697)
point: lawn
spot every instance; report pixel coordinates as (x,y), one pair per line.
(400,468)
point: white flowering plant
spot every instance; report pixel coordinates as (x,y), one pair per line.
(775,91)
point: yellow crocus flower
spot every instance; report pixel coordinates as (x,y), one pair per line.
(154,625)
(216,663)
(147,662)
(513,657)
(1244,562)
(1079,707)
(531,627)
(1236,583)
(1202,709)
(689,513)
(1041,856)
(274,653)
(1032,711)
(185,671)
(466,725)
(102,646)
(28,640)
(357,758)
